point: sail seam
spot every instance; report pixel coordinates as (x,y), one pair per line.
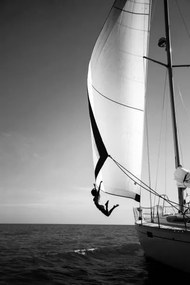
(130,12)
(131,28)
(132,54)
(139,2)
(127,106)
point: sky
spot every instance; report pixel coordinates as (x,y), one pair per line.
(46,168)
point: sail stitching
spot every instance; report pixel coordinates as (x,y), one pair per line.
(132,28)
(130,12)
(132,54)
(127,106)
(139,2)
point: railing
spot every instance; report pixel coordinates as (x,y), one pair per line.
(156,213)
(152,214)
(159,215)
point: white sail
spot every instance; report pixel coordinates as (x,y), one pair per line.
(182,176)
(116,87)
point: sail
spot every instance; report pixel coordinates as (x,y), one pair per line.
(116,90)
(182,176)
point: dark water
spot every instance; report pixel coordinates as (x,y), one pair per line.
(77,254)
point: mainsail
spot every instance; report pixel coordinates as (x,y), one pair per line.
(116,90)
(182,176)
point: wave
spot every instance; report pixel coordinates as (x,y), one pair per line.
(107,251)
(84,251)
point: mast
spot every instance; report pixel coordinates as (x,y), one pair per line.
(172,102)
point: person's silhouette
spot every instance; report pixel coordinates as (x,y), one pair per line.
(103,209)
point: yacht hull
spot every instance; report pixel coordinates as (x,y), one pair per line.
(168,245)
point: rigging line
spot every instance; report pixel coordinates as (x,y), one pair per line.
(148,155)
(184,23)
(149,189)
(160,134)
(147,138)
(141,183)
(166,146)
(145,69)
(127,106)
(154,9)
(187,115)
(183,104)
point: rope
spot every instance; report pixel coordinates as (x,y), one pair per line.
(179,130)
(161,128)
(183,104)
(142,184)
(148,154)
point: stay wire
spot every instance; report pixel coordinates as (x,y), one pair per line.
(142,184)
(161,129)
(183,20)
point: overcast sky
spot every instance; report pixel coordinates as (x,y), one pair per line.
(46,170)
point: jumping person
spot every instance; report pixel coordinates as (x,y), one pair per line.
(103,209)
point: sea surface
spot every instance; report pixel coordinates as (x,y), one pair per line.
(77,254)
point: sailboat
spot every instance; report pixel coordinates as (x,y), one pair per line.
(118,97)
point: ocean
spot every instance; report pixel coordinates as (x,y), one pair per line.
(76,255)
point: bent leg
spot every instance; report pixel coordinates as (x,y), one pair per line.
(106,204)
(111,210)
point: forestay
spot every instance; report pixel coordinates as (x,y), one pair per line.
(116,88)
